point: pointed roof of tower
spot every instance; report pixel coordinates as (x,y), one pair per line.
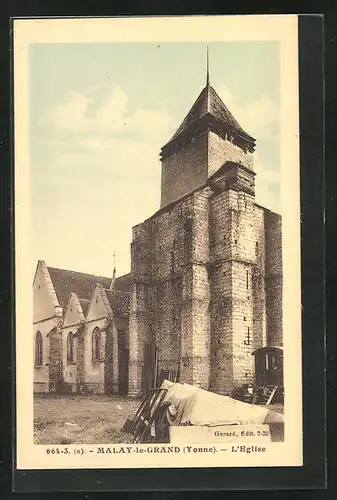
(208,102)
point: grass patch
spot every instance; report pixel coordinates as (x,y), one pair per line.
(77,419)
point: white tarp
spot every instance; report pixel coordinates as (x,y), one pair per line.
(194,406)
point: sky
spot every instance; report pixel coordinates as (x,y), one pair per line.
(98,116)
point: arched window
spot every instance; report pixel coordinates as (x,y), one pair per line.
(38,349)
(70,348)
(96,345)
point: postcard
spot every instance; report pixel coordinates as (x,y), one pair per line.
(157,242)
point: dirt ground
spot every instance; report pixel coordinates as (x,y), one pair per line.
(81,419)
(67,419)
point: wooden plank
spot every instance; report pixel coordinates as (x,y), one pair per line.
(141,410)
(148,431)
(145,433)
(272,394)
(156,368)
(145,412)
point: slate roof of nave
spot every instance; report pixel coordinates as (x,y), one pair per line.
(122,283)
(65,282)
(208,102)
(119,302)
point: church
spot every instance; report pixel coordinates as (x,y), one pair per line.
(80,324)
(205,287)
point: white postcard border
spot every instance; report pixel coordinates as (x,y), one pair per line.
(281,28)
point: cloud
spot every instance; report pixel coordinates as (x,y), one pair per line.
(94,159)
(98,132)
(259,117)
(69,115)
(267,189)
(104,111)
(112,116)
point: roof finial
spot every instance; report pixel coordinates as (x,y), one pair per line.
(207,74)
(112,284)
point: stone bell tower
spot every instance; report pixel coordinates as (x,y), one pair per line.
(208,137)
(211,149)
(198,264)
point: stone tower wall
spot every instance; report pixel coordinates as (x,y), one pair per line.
(196,295)
(259,282)
(169,250)
(189,167)
(170,294)
(274,278)
(199,275)
(221,151)
(185,170)
(139,320)
(200,287)
(237,288)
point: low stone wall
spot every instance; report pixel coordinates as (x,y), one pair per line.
(41,387)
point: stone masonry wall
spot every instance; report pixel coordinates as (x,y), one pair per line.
(184,171)
(221,359)
(111,333)
(259,282)
(80,359)
(249,323)
(237,299)
(116,345)
(69,369)
(55,358)
(274,278)
(221,151)
(94,370)
(173,311)
(189,167)
(121,355)
(140,306)
(169,237)
(199,289)
(222,327)
(196,272)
